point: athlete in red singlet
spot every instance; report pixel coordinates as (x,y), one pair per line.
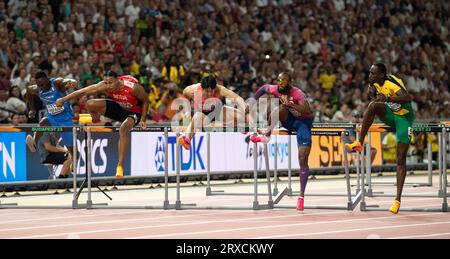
(128,104)
(208,107)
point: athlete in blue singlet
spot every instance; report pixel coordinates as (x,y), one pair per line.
(49,90)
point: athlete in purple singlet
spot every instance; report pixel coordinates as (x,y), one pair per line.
(295,115)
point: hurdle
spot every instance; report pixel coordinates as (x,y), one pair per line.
(166,205)
(324,129)
(256,203)
(422,128)
(443,182)
(320,128)
(352,200)
(336,129)
(74,130)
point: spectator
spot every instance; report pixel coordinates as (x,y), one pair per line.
(343,114)
(5,84)
(172,71)
(20,80)
(4,112)
(16,119)
(15,103)
(52,153)
(233,38)
(327,79)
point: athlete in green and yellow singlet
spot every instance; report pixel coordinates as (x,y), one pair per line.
(391,102)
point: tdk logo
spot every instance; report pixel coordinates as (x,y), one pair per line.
(13,155)
(193,161)
(159,155)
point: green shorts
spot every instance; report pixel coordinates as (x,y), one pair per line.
(401,123)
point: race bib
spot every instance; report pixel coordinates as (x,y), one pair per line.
(395,107)
(54,110)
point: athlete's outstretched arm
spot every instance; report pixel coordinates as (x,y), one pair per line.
(140,93)
(189,91)
(261,91)
(92,89)
(64,84)
(302,106)
(227,93)
(402,97)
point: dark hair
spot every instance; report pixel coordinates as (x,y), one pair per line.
(111,73)
(381,67)
(40,74)
(208,82)
(287,74)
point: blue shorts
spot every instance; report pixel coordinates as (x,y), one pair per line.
(67,137)
(302,127)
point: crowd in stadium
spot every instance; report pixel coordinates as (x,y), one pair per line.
(328,46)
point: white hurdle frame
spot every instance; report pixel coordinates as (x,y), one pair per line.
(352,201)
(371,193)
(75,204)
(166,203)
(256,203)
(442,192)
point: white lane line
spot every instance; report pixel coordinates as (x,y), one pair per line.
(421,236)
(263,219)
(182,224)
(169,225)
(278,226)
(354,230)
(4,222)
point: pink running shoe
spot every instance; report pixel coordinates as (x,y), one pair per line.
(185,142)
(301,203)
(259,138)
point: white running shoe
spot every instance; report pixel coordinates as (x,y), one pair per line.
(30,143)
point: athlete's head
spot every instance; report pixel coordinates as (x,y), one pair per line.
(42,80)
(284,82)
(110,79)
(208,84)
(377,73)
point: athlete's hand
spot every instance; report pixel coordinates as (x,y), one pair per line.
(59,102)
(284,99)
(32,114)
(71,84)
(143,124)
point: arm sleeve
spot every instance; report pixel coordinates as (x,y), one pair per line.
(261,91)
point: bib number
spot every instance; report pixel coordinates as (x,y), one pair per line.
(54,110)
(395,107)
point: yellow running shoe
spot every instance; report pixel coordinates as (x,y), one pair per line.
(185,142)
(119,171)
(355,146)
(395,207)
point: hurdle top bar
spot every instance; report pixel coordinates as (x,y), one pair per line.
(39,128)
(317,129)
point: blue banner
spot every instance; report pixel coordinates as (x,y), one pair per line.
(13,158)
